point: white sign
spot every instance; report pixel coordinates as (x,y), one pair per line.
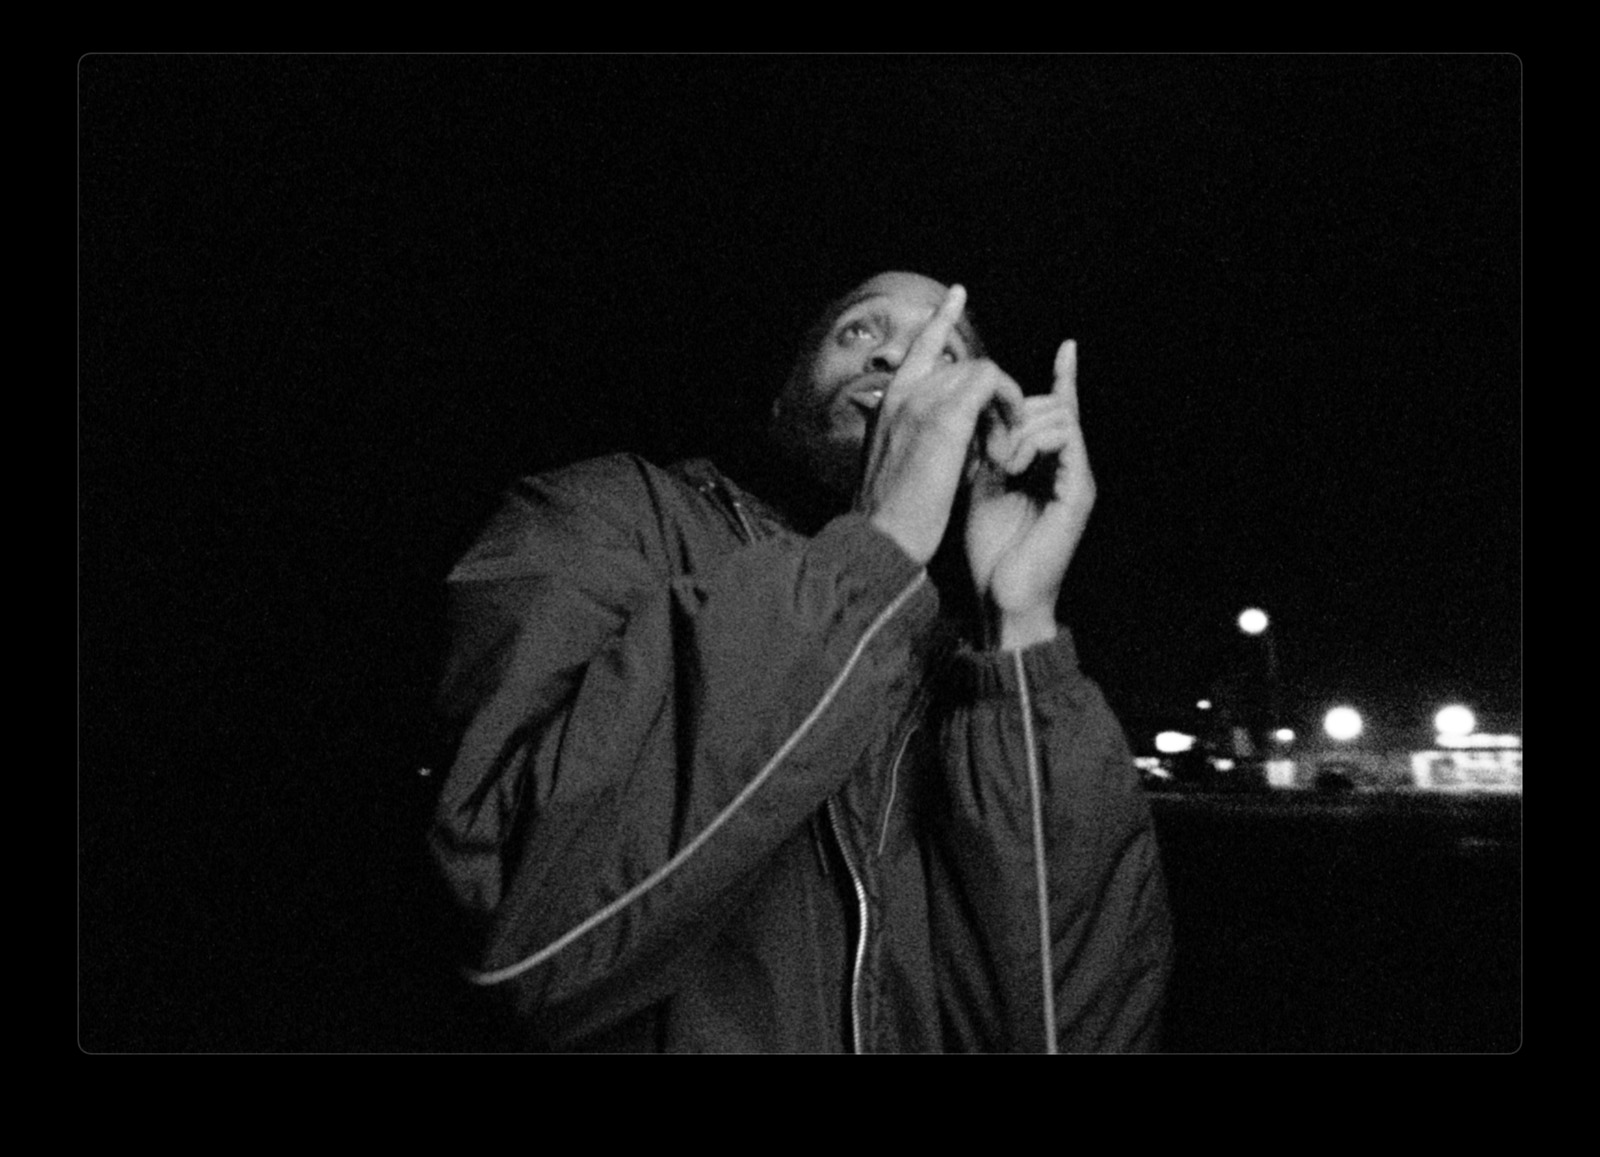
(1280,773)
(1492,770)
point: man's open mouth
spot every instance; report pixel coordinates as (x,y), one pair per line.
(869,399)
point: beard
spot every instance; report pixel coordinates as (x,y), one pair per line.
(835,464)
(821,440)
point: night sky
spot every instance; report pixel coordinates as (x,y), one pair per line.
(330,306)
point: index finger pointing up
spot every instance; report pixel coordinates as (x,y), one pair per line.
(1066,384)
(926,347)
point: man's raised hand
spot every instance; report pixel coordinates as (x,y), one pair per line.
(917,455)
(1020,543)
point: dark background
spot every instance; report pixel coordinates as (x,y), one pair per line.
(329,306)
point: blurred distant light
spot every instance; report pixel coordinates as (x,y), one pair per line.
(1253,620)
(1204,705)
(1151,765)
(1342,723)
(1222,764)
(1475,740)
(1283,735)
(1280,773)
(1455,720)
(1173,742)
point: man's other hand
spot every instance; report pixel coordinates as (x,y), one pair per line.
(1019,539)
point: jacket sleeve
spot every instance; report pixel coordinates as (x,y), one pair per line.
(1048,904)
(639,742)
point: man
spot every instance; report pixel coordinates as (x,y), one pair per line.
(728,784)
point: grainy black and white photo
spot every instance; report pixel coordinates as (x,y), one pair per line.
(804,553)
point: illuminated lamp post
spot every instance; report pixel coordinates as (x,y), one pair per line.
(1253,621)
(1342,724)
(1173,742)
(1455,722)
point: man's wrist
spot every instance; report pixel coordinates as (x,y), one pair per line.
(1014,630)
(907,541)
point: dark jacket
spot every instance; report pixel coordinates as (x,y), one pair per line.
(724,787)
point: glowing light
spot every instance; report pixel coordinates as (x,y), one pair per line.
(1151,765)
(1204,705)
(1457,771)
(1252,620)
(1455,720)
(1480,741)
(1222,764)
(1342,723)
(1173,742)
(1280,773)
(1283,735)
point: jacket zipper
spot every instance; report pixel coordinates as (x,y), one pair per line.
(1046,964)
(838,833)
(861,892)
(833,820)
(861,933)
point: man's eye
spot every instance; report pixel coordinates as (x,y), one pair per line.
(856,331)
(951,354)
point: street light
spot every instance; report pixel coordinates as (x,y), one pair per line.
(1253,621)
(1173,742)
(1455,720)
(1342,724)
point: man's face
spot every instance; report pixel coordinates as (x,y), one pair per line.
(823,413)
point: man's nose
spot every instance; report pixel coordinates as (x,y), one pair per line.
(888,356)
